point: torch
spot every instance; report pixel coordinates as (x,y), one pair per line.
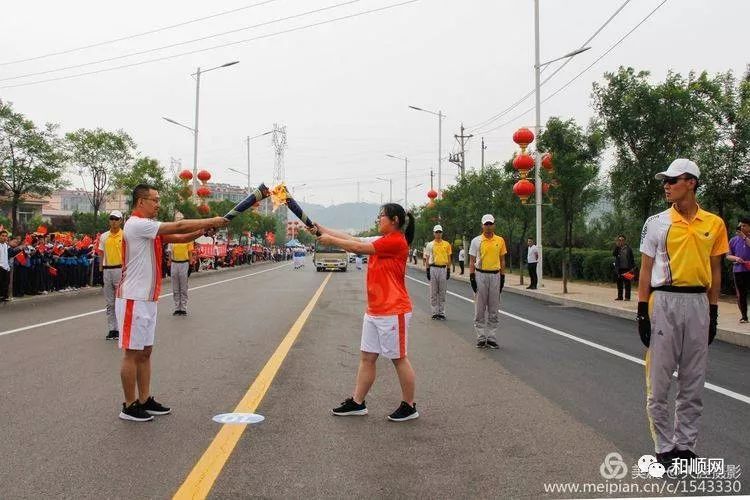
(281,196)
(260,193)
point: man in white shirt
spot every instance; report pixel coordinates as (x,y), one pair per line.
(532,258)
(138,292)
(4,266)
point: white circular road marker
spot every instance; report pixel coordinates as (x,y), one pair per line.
(238,418)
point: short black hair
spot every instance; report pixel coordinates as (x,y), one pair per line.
(621,236)
(3,231)
(141,191)
(744,220)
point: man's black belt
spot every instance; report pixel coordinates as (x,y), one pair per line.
(680,289)
(179,261)
(435,265)
(487,272)
(112,267)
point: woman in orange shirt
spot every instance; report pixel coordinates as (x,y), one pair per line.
(385,324)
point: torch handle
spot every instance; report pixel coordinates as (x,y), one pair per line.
(292,204)
(260,193)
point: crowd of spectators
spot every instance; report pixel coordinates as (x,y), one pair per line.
(39,264)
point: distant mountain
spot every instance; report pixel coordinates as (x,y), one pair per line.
(352,217)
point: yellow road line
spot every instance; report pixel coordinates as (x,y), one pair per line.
(200,480)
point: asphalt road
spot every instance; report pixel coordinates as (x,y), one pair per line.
(543,408)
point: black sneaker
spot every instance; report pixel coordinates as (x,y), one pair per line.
(135,412)
(492,344)
(404,412)
(684,454)
(183,313)
(350,407)
(435,316)
(113,335)
(176,313)
(153,408)
(667,458)
(441,317)
(481,344)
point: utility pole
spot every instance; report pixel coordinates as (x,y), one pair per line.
(483,148)
(459,159)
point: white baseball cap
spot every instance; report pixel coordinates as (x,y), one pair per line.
(115,213)
(437,228)
(487,218)
(678,167)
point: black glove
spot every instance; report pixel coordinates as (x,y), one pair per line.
(502,282)
(644,323)
(428,274)
(713,315)
(447,273)
(473,280)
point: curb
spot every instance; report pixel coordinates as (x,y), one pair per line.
(728,336)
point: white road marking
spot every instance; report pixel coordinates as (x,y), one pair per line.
(76,316)
(712,387)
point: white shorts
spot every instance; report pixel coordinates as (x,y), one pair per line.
(136,320)
(385,335)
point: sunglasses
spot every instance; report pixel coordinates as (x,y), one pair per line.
(673,180)
(489,223)
(438,232)
(114,218)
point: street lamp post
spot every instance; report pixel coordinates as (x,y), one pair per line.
(538,129)
(390,187)
(440,116)
(406,177)
(194,129)
(248,139)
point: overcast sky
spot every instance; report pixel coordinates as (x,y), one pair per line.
(342,89)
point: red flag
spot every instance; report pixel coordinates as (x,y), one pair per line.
(41,230)
(52,271)
(21,258)
(96,243)
(59,250)
(27,239)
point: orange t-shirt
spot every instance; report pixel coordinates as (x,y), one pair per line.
(386,287)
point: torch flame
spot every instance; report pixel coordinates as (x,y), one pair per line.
(279,195)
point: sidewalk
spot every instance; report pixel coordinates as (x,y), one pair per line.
(600,298)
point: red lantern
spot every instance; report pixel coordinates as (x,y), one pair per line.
(523,137)
(523,163)
(432,194)
(186,175)
(203,192)
(523,189)
(204,176)
(547,162)
(204,209)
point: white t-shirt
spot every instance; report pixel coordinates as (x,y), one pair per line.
(532,254)
(142,254)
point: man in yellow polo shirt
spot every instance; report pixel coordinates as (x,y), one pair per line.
(110,265)
(487,257)
(180,254)
(680,279)
(437,259)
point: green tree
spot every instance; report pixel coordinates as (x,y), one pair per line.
(148,171)
(99,157)
(649,126)
(723,154)
(31,159)
(88,223)
(576,157)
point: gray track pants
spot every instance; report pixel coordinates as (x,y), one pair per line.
(438,287)
(179,273)
(111,278)
(486,305)
(679,341)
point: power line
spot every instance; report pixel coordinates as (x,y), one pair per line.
(197,51)
(178,44)
(136,35)
(612,47)
(510,108)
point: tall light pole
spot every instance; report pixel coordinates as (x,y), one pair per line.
(248,139)
(194,129)
(440,116)
(406,177)
(381,195)
(538,126)
(390,187)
